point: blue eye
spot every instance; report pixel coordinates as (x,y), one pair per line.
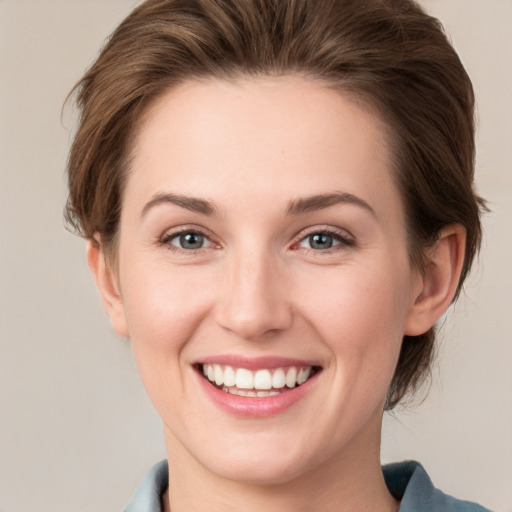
(319,241)
(189,240)
(324,241)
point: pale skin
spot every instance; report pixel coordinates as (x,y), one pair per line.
(236,166)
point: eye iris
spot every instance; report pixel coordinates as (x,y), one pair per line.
(191,241)
(320,241)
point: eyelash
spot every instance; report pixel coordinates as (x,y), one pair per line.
(169,237)
(344,240)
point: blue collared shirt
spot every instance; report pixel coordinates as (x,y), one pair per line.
(407,481)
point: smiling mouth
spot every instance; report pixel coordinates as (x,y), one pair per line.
(260,383)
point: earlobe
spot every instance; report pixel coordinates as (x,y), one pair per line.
(106,281)
(438,283)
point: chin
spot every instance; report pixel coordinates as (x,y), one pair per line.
(259,465)
(261,473)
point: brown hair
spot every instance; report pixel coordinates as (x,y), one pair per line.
(389,53)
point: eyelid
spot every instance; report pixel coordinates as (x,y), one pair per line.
(172,233)
(336,241)
(342,235)
(177,236)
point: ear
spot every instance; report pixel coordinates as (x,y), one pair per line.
(437,286)
(107,283)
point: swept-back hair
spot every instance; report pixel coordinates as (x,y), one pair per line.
(389,54)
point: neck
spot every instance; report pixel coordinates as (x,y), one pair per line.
(349,481)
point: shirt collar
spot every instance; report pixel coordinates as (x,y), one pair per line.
(407,481)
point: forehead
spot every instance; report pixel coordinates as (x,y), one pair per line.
(260,137)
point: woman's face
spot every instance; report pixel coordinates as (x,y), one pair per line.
(262,242)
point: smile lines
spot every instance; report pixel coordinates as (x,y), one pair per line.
(258,383)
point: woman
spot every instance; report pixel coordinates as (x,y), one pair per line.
(278,198)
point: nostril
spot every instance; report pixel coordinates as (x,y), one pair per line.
(253,306)
(257,323)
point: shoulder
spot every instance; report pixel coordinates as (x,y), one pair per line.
(409,482)
(147,497)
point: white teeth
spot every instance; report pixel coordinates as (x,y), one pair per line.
(264,382)
(267,393)
(291,377)
(303,375)
(244,392)
(229,376)
(278,379)
(244,379)
(219,374)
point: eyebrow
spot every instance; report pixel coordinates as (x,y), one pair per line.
(321,201)
(296,207)
(193,204)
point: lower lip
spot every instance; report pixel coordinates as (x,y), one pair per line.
(256,407)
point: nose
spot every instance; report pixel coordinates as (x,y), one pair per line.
(254,303)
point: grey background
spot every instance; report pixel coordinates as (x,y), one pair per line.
(76,429)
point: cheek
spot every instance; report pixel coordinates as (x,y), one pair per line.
(163,304)
(163,309)
(360,315)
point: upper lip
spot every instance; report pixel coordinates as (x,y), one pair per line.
(255,363)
